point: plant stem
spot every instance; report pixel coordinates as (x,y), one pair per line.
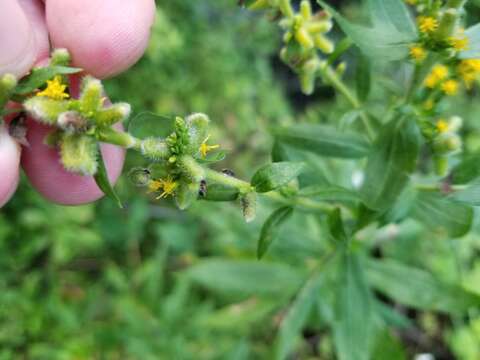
(332,77)
(245,187)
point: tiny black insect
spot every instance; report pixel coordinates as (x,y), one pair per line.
(228,172)
(203,188)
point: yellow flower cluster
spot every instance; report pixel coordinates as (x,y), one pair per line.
(418,53)
(438,76)
(442,126)
(55,89)
(427,24)
(167,186)
(468,71)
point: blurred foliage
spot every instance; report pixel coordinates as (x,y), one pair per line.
(151,282)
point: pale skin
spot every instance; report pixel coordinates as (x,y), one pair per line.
(104,38)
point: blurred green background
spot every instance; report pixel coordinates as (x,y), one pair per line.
(148,282)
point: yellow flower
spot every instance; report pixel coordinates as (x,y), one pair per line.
(440,72)
(418,53)
(430,81)
(205,149)
(468,71)
(450,87)
(55,89)
(459,43)
(411,2)
(427,24)
(167,186)
(428,105)
(442,126)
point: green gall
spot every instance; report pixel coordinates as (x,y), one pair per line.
(186,194)
(140,177)
(113,114)
(79,154)
(45,110)
(249,206)
(60,57)
(154,149)
(91,98)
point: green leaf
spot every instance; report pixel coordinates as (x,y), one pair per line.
(388,346)
(220,192)
(323,140)
(39,77)
(363,77)
(271,227)
(467,170)
(101,178)
(186,194)
(419,289)
(275,175)
(468,196)
(353,326)
(296,317)
(392,32)
(394,157)
(148,124)
(340,48)
(335,225)
(442,214)
(245,277)
(329,193)
(213,158)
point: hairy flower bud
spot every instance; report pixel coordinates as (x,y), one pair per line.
(45,110)
(249,206)
(154,149)
(79,154)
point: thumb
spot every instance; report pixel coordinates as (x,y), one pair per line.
(9,165)
(17,41)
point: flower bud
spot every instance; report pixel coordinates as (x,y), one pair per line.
(306,9)
(7,84)
(447,143)
(455,123)
(322,43)
(304,38)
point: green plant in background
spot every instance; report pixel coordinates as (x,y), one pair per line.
(354,202)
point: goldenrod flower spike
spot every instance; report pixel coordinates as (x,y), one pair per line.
(55,89)
(205,149)
(427,24)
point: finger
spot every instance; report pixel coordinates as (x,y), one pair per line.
(17,41)
(47,175)
(35,13)
(9,165)
(104,37)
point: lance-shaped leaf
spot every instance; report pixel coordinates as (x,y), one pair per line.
(441,214)
(148,124)
(275,175)
(353,326)
(391,161)
(390,35)
(39,77)
(467,170)
(323,140)
(418,288)
(79,154)
(271,228)
(103,182)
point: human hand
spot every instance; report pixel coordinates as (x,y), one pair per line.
(104,38)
